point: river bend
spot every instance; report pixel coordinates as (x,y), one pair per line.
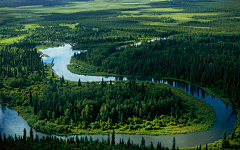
(226,116)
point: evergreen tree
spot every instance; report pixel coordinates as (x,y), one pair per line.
(174,144)
(77,139)
(30,99)
(24,134)
(128,142)
(113,138)
(224,140)
(53,75)
(31,134)
(142,142)
(151,146)
(63,81)
(110,82)
(79,82)
(159,146)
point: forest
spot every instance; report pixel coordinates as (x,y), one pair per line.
(199,44)
(50,142)
(205,59)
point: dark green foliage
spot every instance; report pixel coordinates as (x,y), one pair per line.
(20,65)
(103,106)
(24,134)
(204,59)
(79,83)
(151,146)
(174,144)
(159,146)
(50,142)
(225,141)
(30,99)
(142,142)
(31,134)
(53,75)
(113,138)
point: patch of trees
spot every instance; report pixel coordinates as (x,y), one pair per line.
(105,106)
(20,65)
(51,142)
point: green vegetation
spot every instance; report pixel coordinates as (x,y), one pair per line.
(72,143)
(202,49)
(127,107)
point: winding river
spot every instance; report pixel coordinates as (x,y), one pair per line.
(11,123)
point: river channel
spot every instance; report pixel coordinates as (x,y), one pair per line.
(11,123)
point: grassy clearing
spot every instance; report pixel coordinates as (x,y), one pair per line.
(69,25)
(29,27)
(12,40)
(161,10)
(179,17)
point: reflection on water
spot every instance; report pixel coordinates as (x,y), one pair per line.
(3,108)
(11,123)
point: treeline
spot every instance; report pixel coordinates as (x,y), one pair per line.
(20,65)
(49,142)
(205,59)
(26,142)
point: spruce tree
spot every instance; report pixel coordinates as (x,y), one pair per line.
(113,138)
(142,142)
(30,99)
(174,144)
(79,82)
(151,146)
(63,81)
(53,75)
(128,142)
(24,134)
(159,146)
(31,134)
(224,140)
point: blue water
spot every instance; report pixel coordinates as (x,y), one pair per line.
(11,123)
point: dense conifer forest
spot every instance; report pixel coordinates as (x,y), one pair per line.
(19,143)
(199,44)
(204,59)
